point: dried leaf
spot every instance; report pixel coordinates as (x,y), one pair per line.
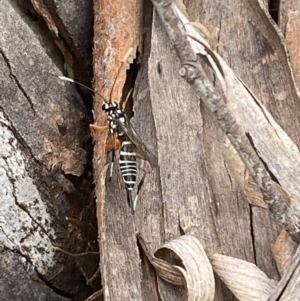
(196,271)
(164,269)
(265,133)
(272,145)
(244,279)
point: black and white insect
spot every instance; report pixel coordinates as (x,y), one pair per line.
(131,147)
(126,140)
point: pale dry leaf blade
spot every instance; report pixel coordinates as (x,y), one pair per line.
(244,279)
(266,134)
(197,270)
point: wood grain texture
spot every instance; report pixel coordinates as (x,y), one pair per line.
(194,190)
(200,185)
(259,58)
(198,195)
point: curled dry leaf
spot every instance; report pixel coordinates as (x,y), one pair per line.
(164,269)
(196,272)
(244,279)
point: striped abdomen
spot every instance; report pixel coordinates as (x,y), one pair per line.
(127,163)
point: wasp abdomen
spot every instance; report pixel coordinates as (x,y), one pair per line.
(127,163)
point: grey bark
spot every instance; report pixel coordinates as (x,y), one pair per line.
(42,157)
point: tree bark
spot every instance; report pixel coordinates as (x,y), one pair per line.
(43,178)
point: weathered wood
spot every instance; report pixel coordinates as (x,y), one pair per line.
(187,202)
(295,100)
(183,129)
(265,56)
(42,157)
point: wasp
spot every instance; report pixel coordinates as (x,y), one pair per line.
(131,147)
(126,140)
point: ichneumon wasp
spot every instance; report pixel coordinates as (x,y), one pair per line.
(125,139)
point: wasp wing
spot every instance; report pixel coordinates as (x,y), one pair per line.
(132,135)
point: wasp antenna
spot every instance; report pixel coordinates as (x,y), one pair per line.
(127,54)
(66,78)
(82,85)
(124,60)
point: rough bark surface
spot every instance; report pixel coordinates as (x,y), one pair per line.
(42,158)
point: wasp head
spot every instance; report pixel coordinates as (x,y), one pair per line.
(110,106)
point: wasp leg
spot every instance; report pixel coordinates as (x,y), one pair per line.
(94,127)
(141,182)
(113,156)
(115,144)
(112,151)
